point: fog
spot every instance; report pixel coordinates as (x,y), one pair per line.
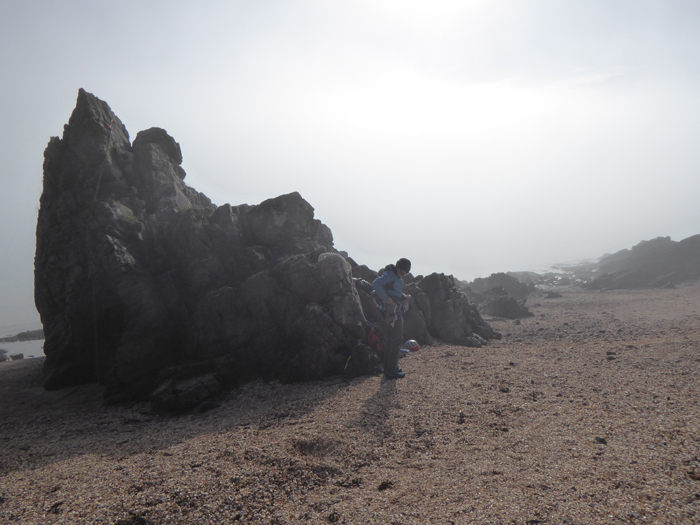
(470,136)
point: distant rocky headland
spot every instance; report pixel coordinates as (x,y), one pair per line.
(146,287)
(30,335)
(656,263)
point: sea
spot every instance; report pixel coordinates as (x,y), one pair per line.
(30,349)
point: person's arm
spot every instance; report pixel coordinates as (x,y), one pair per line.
(378,285)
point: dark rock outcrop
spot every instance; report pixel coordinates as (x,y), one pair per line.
(658,263)
(146,287)
(448,313)
(136,271)
(499,303)
(507,282)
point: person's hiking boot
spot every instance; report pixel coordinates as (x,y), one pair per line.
(398,375)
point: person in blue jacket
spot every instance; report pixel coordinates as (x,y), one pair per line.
(389,288)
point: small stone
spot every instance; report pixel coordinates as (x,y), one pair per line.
(385,485)
(601,440)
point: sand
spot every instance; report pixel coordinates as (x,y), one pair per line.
(588,412)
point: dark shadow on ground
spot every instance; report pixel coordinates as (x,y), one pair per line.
(39,427)
(374,416)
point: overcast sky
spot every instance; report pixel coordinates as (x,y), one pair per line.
(469,136)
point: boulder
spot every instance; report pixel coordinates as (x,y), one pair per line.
(415,326)
(188,394)
(146,287)
(130,259)
(499,303)
(450,316)
(361,271)
(507,282)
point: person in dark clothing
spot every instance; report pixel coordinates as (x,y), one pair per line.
(389,288)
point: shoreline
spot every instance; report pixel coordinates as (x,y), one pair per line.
(30,349)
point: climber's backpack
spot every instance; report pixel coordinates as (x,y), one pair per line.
(374,341)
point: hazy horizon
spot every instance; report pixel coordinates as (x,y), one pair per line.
(472,137)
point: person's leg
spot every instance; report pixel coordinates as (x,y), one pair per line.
(391,351)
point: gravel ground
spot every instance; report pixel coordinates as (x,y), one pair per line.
(586,413)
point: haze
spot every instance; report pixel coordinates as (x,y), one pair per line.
(469,136)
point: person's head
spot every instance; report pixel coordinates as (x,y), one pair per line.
(403,266)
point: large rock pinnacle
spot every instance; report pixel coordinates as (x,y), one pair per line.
(144,285)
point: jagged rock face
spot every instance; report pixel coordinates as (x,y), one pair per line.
(146,287)
(134,268)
